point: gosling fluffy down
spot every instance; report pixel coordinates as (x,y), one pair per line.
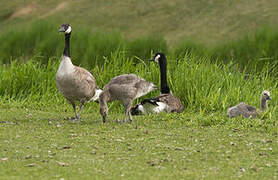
(248,111)
(124,88)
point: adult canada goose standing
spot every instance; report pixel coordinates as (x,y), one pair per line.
(75,83)
(166,101)
(124,88)
(248,111)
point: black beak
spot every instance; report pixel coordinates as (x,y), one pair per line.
(269,98)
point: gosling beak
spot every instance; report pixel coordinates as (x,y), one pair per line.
(269,98)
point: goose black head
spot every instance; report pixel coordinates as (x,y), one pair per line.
(266,95)
(158,57)
(65,28)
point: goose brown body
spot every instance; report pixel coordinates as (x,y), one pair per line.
(75,83)
(78,85)
(166,101)
(173,103)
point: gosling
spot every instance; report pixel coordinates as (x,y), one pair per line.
(248,111)
(125,88)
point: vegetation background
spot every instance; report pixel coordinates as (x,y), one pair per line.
(220,52)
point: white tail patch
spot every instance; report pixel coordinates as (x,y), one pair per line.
(96,96)
(141,109)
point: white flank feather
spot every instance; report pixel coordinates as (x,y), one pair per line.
(161,107)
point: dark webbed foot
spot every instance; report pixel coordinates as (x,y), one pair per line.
(73,119)
(103,119)
(117,121)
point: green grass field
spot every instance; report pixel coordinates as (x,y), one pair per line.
(38,143)
(42,145)
(219,53)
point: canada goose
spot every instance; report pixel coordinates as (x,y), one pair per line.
(75,83)
(248,111)
(124,88)
(166,101)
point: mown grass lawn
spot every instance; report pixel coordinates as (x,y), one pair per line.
(43,145)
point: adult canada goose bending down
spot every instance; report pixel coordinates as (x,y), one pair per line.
(124,88)
(166,101)
(75,83)
(248,111)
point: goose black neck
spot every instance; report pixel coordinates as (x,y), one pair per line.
(164,89)
(67,45)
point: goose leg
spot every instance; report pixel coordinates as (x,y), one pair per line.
(74,108)
(80,109)
(126,113)
(127,107)
(130,116)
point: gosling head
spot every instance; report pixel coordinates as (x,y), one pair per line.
(65,28)
(265,95)
(158,57)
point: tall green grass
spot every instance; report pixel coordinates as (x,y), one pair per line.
(249,51)
(87,48)
(202,85)
(91,48)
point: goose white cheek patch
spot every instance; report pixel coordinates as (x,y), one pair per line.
(156,59)
(68,30)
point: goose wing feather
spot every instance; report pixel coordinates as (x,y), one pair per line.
(173,103)
(79,85)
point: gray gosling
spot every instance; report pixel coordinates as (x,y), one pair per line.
(124,88)
(166,101)
(75,83)
(248,111)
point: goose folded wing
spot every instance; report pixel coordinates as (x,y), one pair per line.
(155,100)
(85,76)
